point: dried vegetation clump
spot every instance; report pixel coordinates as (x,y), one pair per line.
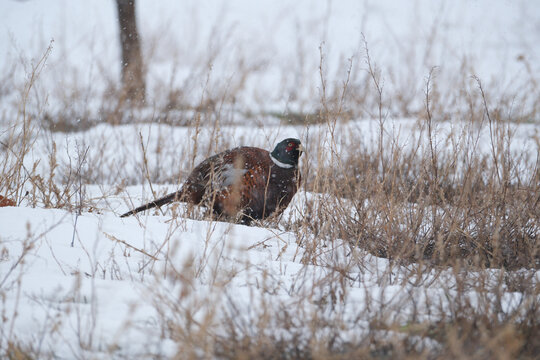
(450,205)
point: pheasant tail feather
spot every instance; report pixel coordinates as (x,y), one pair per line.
(156,203)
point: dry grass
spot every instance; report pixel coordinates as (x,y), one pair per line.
(453,212)
(440,208)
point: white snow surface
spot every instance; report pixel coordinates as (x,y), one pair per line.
(200,46)
(124,279)
(113,291)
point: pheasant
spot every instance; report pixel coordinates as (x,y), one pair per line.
(244,183)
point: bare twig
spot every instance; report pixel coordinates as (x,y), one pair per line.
(113,238)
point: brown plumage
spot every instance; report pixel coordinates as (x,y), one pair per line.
(4,201)
(243,183)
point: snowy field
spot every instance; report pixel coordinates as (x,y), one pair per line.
(267,54)
(78,281)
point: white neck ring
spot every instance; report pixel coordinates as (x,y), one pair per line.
(280,164)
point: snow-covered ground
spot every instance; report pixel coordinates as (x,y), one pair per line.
(121,284)
(267,53)
(95,285)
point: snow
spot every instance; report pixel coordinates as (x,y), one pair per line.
(116,290)
(111,291)
(278,43)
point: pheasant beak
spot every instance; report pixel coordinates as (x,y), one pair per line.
(300,149)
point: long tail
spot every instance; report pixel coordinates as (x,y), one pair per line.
(161,201)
